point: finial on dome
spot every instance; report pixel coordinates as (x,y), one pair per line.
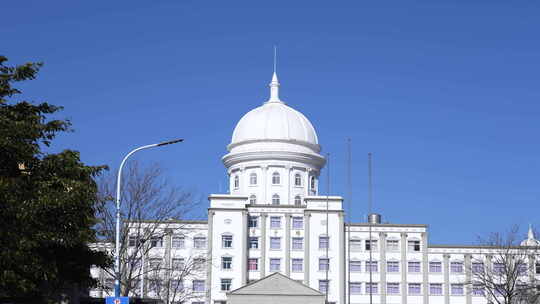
(274,84)
(530,234)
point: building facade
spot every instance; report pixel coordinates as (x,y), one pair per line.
(274,220)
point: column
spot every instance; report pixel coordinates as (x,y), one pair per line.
(263,245)
(425,267)
(403,268)
(342,282)
(168,245)
(307,248)
(382,270)
(244,248)
(446,269)
(209,257)
(289,185)
(307,186)
(287,244)
(243,180)
(489,268)
(468,279)
(264,185)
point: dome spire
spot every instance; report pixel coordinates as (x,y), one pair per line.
(530,234)
(274,84)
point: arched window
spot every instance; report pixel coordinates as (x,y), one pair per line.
(252,199)
(297,200)
(297,179)
(312,182)
(275,199)
(253,179)
(236,182)
(275,178)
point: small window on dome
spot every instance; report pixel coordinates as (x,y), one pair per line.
(236,182)
(275,199)
(253,199)
(253,179)
(297,200)
(312,183)
(297,179)
(275,178)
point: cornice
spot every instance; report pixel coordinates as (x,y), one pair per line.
(235,158)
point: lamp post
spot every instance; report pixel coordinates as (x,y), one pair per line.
(119,177)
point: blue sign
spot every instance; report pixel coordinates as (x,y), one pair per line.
(117,300)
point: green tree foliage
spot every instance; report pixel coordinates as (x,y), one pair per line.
(46,200)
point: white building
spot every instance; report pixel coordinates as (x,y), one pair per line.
(274,220)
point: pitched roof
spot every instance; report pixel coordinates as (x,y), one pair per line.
(276,284)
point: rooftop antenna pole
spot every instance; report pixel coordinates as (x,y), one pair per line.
(275,59)
(370,198)
(348,226)
(327,236)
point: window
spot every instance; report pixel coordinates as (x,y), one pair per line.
(253,179)
(275,242)
(275,222)
(177,285)
(372,288)
(253,199)
(253,264)
(355,287)
(253,222)
(324,264)
(414,267)
(275,199)
(275,178)
(498,268)
(413,245)
(537,268)
(477,267)
(297,200)
(156,241)
(154,263)
(312,183)
(297,222)
(226,262)
(198,263)
(414,288)
(132,241)
(371,245)
(392,245)
(435,289)
(154,285)
(297,265)
(456,289)
(392,288)
(521,268)
(392,266)
(199,242)
(356,245)
(478,290)
(226,284)
(323,286)
(297,179)
(355,266)
(371,266)
(109,283)
(435,266)
(253,242)
(456,267)
(198,285)
(275,264)
(177,263)
(297,243)
(226,241)
(236,182)
(178,241)
(323,242)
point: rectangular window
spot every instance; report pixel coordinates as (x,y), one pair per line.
(355,266)
(478,290)
(413,267)
(355,288)
(177,263)
(392,288)
(392,266)
(275,264)
(154,285)
(226,262)
(297,243)
(414,288)
(198,285)
(521,268)
(537,268)
(253,222)
(109,283)
(253,242)
(435,267)
(372,266)
(456,289)
(154,263)
(132,241)
(178,242)
(372,288)
(356,245)
(477,267)
(226,284)
(323,242)
(226,241)
(198,263)
(324,264)
(323,286)
(253,264)
(413,246)
(371,245)
(275,243)
(297,222)
(456,267)
(498,268)
(297,265)
(392,245)
(177,285)
(275,222)
(435,289)
(156,241)
(199,242)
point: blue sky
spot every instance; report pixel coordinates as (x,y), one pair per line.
(444,94)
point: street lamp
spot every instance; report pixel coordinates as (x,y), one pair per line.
(117,258)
